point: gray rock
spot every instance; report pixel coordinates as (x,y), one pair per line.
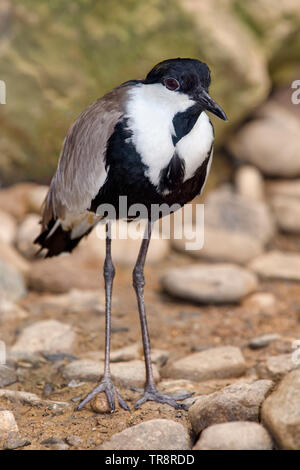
(277,265)
(270,142)
(24,359)
(238,435)
(220,362)
(286,210)
(8,426)
(263,340)
(28,230)
(220,245)
(8,376)
(15,442)
(73,440)
(276,367)
(250,183)
(238,402)
(156,434)
(281,412)
(226,210)
(46,335)
(204,283)
(126,374)
(130,353)
(12,285)
(31,399)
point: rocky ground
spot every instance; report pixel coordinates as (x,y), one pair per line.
(224,323)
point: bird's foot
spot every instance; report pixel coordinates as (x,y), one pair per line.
(106,385)
(152,394)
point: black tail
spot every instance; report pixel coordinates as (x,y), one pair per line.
(58,242)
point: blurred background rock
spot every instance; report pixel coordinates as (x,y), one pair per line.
(58,56)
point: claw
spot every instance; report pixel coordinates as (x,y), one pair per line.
(106,386)
(151,394)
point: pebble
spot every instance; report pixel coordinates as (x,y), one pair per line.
(124,374)
(277,265)
(8,376)
(75,301)
(15,442)
(12,257)
(205,283)
(46,335)
(276,367)
(264,302)
(8,425)
(55,443)
(12,286)
(281,412)
(156,434)
(220,362)
(8,228)
(130,353)
(286,210)
(99,404)
(220,245)
(238,402)
(249,183)
(237,435)
(9,311)
(32,399)
(272,145)
(227,210)
(263,340)
(36,197)
(28,230)
(73,440)
(24,359)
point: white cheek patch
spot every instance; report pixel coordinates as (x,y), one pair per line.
(193,148)
(150,111)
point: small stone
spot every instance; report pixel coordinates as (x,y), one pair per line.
(35,198)
(74,441)
(24,358)
(46,335)
(32,399)
(264,302)
(55,443)
(12,257)
(75,301)
(220,245)
(238,435)
(156,434)
(128,353)
(263,340)
(276,367)
(8,227)
(99,404)
(28,230)
(8,376)
(10,311)
(205,283)
(12,285)
(281,412)
(227,210)
(250,183)
(287,213)
(277,265)
(15,442)
(8,425)
(238,402)
(84,369)
(220,362)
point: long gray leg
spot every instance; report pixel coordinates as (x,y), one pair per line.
(150,392)
(106,385)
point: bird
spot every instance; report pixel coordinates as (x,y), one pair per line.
(151,141)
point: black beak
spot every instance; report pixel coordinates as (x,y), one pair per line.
(210,105)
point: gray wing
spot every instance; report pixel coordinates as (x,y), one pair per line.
(81,168)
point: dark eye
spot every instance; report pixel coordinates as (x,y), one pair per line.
(171,84)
